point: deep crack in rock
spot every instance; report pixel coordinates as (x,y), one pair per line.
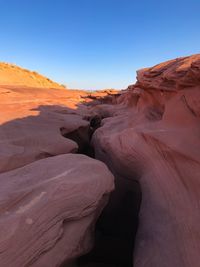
(117,225)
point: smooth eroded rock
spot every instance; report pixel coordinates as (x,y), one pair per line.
(155,140)
(49,208)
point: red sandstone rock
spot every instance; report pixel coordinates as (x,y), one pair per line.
(48,209)
(31,119)
(171,75)
(149,133)
(155,140)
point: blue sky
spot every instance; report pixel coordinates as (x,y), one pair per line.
(96,44)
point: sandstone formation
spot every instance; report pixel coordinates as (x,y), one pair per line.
(31,119)
(147,135)
(48,209)
(11,74)
(154,139)
(49,199)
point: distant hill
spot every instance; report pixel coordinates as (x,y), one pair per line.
(13,75)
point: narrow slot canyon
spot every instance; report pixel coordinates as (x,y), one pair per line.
(102,179)
(116,227)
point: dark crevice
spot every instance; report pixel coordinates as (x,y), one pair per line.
(83,135)
(117,225)
(116,230)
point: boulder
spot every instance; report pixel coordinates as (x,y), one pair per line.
(49,208)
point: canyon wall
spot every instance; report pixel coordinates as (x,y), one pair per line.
(153,138)
(135,204)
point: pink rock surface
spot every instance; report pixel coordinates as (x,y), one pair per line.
(171,75)
(48,209)
(149,133)
(31,119)
(154,138)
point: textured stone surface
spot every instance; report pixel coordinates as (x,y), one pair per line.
(11,74)
(147,134)
(171,75)
(31,119)
(49,199)
(48,209)
(154,139)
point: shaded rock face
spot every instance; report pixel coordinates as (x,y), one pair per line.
(48,209)
(31,119)
(116,229)
(154,139)
(50,199)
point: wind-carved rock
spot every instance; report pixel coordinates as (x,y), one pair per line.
(155,140)
(49,199)
(148,134)
(49,208)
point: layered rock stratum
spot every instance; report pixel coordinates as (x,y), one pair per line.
(154,139)
(135,204)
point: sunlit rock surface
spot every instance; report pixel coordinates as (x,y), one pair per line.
(31,119)
(49,199)
(147,135)
(11,74)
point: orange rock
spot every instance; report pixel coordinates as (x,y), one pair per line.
(149,134)
(11,74)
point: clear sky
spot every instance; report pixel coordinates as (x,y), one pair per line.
(96,44)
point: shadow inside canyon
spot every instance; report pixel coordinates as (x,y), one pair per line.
(117,225)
